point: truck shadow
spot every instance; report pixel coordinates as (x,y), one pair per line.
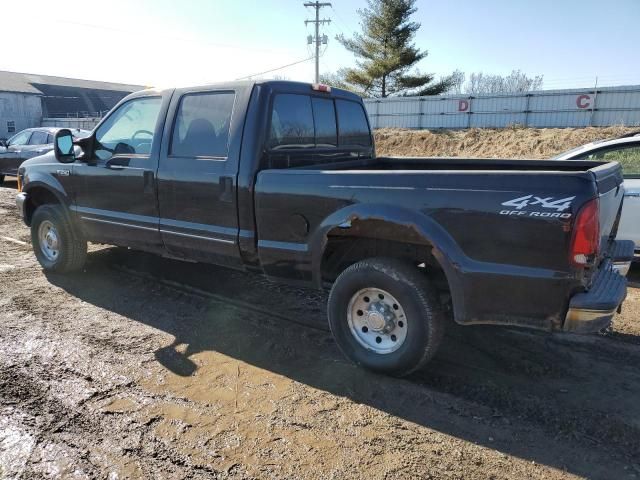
(562,401)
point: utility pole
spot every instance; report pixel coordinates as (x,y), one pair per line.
(317,39)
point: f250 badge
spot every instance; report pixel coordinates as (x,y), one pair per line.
(549,203)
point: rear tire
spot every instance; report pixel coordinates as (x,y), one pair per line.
(58,246)
(384,316)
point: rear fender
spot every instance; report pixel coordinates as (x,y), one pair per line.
(399,224)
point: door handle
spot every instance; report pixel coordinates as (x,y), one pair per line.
(226,189)
(148,181)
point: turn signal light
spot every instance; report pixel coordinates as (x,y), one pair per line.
(585,241)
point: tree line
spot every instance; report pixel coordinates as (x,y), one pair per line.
(386,54)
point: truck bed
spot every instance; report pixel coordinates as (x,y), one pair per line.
(461,164)
(505,224)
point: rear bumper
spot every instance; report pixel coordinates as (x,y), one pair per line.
(593,310)
(622,253)
(21,201)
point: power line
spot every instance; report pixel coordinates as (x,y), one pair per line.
(166,37)
(345,25)
(248,77)
(317,39)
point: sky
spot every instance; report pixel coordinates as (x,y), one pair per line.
(165,43)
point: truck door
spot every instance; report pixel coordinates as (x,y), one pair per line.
(115,190)
(197,177)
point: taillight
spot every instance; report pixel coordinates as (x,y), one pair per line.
(585,241)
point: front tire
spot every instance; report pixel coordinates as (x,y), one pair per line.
(58,246)
(384,316)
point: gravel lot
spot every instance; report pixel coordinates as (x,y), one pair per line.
(141,367)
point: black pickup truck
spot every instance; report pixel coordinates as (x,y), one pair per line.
(281,178)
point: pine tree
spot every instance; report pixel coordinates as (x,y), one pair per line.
(386,54)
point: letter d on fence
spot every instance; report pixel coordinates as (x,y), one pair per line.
(463,105)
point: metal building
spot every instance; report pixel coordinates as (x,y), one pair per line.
(549,108)
(29,100)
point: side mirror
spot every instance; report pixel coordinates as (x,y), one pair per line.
(63,146)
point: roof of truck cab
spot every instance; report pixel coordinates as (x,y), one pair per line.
(282,85)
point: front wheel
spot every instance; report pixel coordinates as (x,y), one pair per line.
(56,244)
(384,316)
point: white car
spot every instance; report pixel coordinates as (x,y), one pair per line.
(626,151)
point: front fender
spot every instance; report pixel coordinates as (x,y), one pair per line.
(46,181)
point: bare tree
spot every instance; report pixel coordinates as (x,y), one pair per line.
(457,79)
(517,81)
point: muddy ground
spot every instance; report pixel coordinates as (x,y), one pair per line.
(141,367)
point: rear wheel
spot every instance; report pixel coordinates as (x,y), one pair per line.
(384,316)
(56,244)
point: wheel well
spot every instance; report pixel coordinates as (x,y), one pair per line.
(37,197)
(343,249)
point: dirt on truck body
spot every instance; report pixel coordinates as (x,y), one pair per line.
(140,367)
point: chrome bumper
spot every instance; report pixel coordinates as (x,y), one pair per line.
(21,201)
(591,311)
(622,267)
(622,254)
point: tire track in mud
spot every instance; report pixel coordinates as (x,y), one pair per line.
(101,439)
(518,374)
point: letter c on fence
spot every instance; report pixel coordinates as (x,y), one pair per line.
(463,105)
(583,101)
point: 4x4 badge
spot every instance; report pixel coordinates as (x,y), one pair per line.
(547,202)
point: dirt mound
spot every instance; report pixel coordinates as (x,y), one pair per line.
(489,143)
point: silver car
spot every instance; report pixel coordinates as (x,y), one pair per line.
(27,144)
(626,151)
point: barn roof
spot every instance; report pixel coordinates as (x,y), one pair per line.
(31,83)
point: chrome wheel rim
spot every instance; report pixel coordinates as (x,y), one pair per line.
(49,240)
(377,320)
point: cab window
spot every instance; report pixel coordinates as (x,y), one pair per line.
(352,124)
(627,157)
(129,130)
(291,122)
(202,125)
(324,116)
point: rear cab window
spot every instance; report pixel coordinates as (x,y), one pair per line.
(354,128)
(311,127)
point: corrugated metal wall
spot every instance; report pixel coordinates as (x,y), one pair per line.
(549,108)
(20,110)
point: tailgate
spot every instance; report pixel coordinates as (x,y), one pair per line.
(609,184)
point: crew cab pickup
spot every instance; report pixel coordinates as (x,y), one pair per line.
(282,179)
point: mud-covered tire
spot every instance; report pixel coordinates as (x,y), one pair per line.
(417,299)
(71,246)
